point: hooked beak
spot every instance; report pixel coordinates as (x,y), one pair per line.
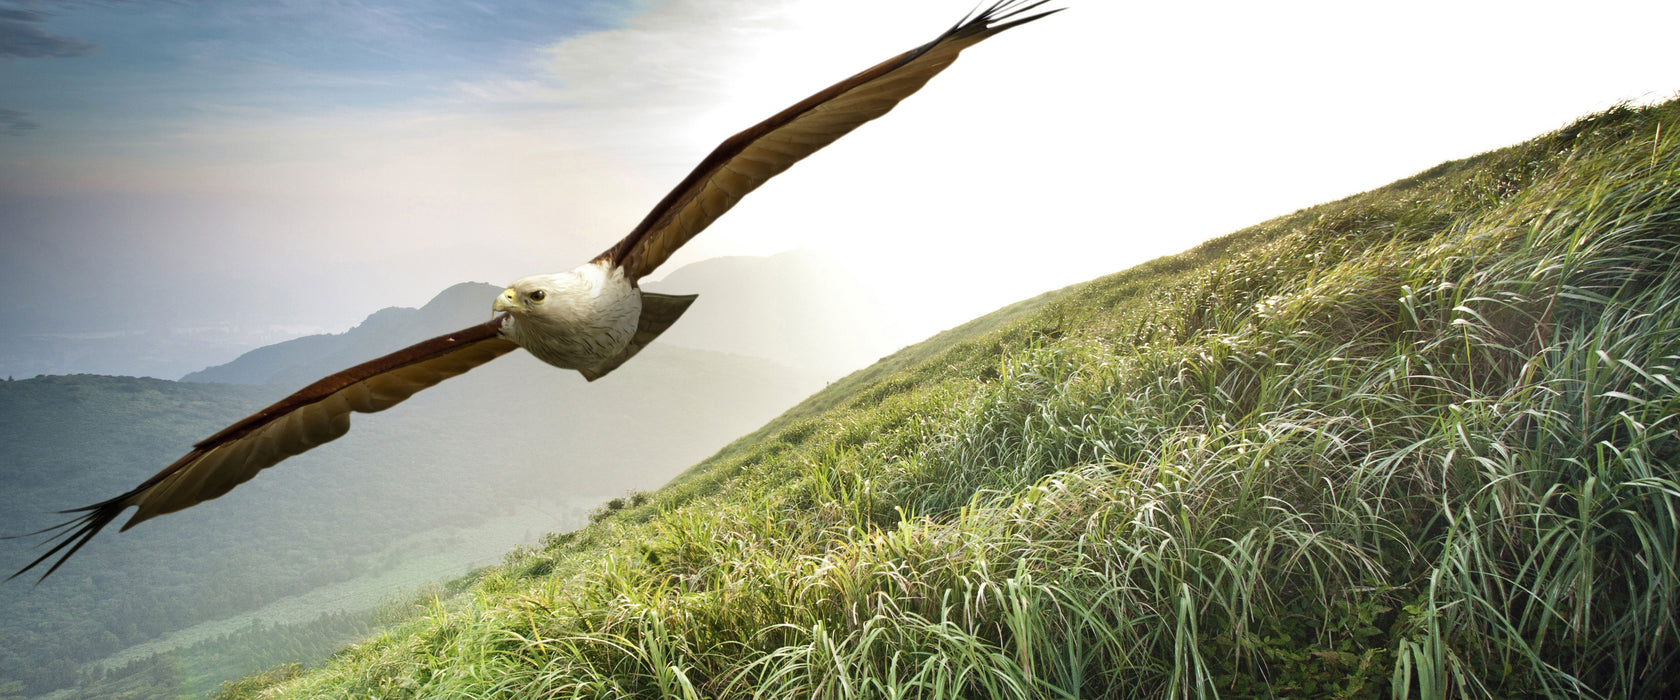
(507,302)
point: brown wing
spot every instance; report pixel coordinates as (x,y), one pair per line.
(749,159)
(317,414)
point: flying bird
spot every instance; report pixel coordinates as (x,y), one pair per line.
(591,318)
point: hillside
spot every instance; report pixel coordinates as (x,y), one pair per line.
(1420,441)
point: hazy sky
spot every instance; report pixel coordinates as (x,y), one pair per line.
(302,163)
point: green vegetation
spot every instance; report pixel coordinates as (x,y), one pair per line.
(192,670)
(1417,443)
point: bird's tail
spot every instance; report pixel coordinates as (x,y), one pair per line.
(659,311)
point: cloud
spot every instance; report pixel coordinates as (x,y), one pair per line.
(21,36)
(13,122)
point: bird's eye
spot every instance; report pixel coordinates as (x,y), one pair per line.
(538,295)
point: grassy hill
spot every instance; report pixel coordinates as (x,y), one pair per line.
(1416,443)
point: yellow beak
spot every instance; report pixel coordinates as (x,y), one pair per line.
(508,301)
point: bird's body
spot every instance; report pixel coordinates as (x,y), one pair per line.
(580,319)
(591,319)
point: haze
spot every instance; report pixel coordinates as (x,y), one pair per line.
(247,172)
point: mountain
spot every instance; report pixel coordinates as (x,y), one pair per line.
(129,350)
(797,309)
(303,360)
(1418,441)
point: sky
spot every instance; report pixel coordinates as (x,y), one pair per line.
(288,167)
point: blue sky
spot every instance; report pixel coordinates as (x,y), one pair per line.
(154,61)
(93,76)
(262,169)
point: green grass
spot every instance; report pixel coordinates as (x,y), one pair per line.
(1416,443)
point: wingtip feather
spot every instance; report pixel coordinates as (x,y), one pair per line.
(1002,15)
(76,533)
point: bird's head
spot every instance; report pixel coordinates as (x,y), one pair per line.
(538,298)
(520,298)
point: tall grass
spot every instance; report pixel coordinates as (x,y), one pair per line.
(1418,443)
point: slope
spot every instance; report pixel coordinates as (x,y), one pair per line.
(1418,441)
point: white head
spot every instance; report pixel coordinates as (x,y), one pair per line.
(576,318)
(532,294)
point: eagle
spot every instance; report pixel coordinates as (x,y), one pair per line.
(591,318)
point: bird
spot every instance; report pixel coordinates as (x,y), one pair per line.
(591,318)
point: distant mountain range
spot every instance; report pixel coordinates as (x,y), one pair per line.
(302,360)
(799,309)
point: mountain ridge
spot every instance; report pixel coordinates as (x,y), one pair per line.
(783,308)
(302,360)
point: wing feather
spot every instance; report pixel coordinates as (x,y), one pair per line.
(315,415)
(750,158)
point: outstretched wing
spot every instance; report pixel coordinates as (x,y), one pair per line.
(317,414)
(749,159)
